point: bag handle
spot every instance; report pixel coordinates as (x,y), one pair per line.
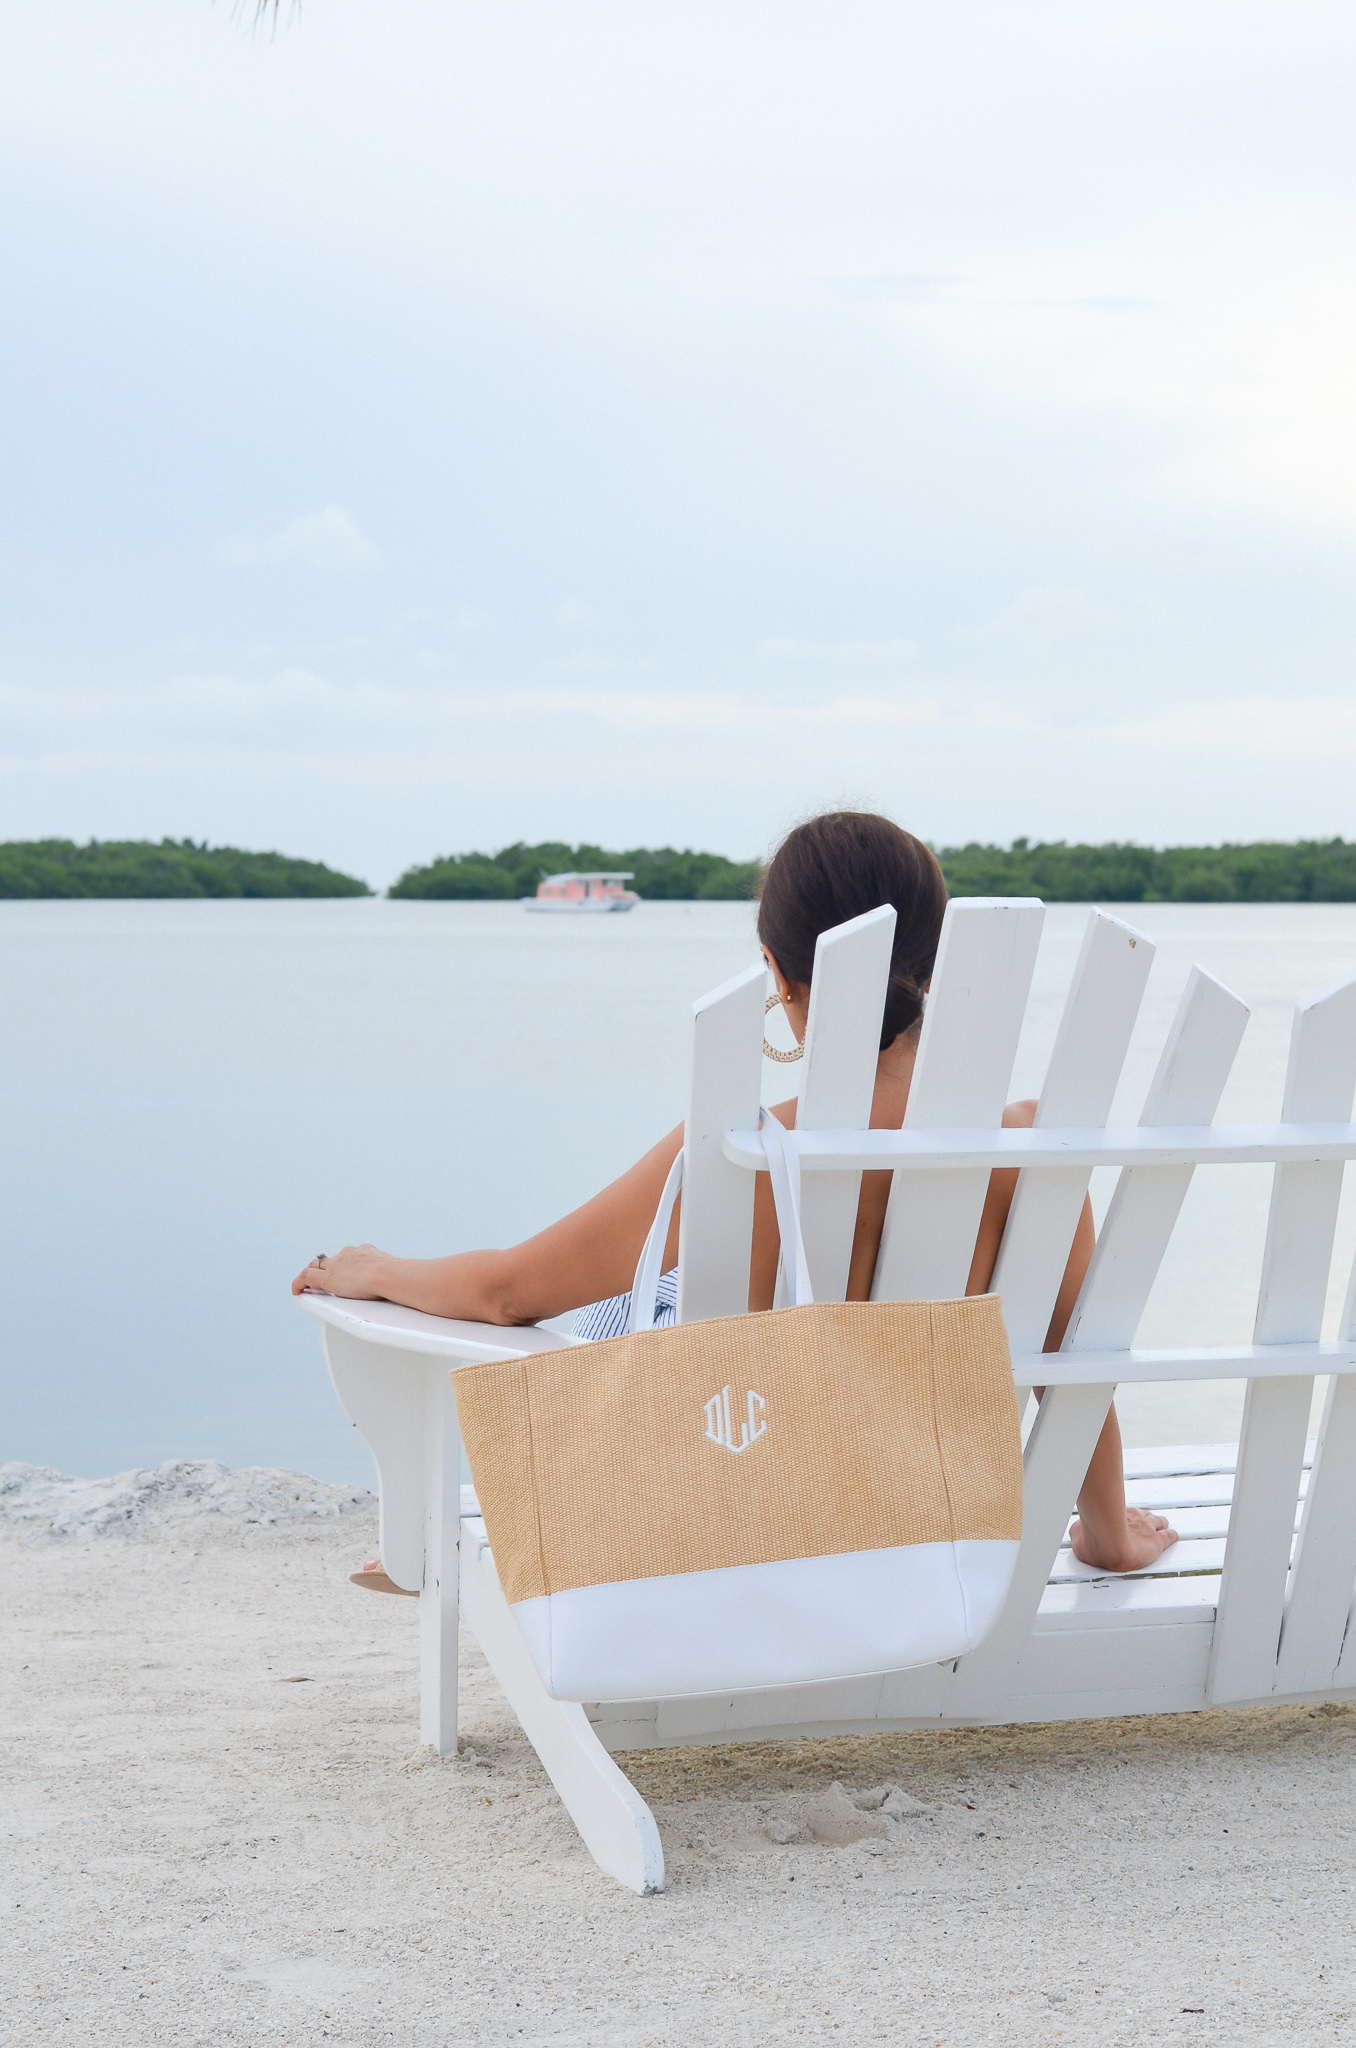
(783,1163)
(645,1286)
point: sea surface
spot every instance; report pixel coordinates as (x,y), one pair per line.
(197,1097)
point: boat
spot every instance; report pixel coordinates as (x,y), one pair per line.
(603,890)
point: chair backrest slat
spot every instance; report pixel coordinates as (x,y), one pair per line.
(1262,1601)
(717,1201)
(1080,1085)
(1319,1085)
(1186,1089)
(842,1044)
(966,1050)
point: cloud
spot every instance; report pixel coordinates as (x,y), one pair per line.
(330,540)
(1046,613)
(255,759)
(1233,367)
(859,362)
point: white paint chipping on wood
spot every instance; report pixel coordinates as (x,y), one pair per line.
(1253,1604)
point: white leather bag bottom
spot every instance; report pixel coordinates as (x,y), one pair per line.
(767,1624)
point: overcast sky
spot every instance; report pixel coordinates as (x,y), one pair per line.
(436,425)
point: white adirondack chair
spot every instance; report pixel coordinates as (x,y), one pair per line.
(1252,1605)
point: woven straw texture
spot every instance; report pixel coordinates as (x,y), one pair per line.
(882,1423)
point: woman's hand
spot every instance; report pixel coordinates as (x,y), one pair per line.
(358,1273)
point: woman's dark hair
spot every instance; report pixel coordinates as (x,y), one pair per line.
(839,866)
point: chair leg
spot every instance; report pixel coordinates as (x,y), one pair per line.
(615,1824)
(438,1598)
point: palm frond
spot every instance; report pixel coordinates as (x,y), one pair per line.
(264,11)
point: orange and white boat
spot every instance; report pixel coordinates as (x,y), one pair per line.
(604,890)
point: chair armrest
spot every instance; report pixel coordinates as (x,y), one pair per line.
(396,1328)
(391,1367)
(1207,1362)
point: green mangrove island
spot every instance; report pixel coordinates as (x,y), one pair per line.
(176,867)
(1312,871)
(661,876)
(1306,871)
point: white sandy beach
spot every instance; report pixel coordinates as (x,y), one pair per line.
(220,1828)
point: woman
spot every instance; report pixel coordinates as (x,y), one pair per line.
(834,867)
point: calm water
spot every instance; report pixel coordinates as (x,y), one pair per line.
(198,1097)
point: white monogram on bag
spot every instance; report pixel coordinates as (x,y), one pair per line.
(718,1425)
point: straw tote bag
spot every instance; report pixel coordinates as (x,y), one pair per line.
(816,1492)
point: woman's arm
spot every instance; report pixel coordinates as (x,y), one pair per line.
(587,1256)
(993,1222)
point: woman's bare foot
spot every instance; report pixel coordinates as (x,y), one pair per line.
(1143,1538)
(376,1580)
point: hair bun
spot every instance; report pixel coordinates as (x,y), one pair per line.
(839,866)
(903,1005)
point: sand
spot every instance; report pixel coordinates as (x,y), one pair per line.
(220,1828)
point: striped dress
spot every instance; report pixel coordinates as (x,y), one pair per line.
(608,1318)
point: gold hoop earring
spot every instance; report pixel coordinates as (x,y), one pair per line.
(770,1052)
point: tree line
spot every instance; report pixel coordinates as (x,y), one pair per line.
(1310,871)
(660,874)
(174,867)
(1304,871)
(1263,871)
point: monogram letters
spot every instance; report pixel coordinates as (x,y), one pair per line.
(718,1424)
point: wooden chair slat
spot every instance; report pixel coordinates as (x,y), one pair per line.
(1201,1519)
(962,1075)
(1188,1083)
(1320,1079)
(842,1044)
(1175,1496)
(1080,1084)
(1180,1491)
(1186,1088)
(1193,1554)
(1127,1603)
(1168,1461)
(1319,1601)
(717,1200)
(1319,1085)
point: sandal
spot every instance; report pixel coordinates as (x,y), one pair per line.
(376,1581)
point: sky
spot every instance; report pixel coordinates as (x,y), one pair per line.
(432,426)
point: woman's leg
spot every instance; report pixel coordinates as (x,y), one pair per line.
(1107,1533)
